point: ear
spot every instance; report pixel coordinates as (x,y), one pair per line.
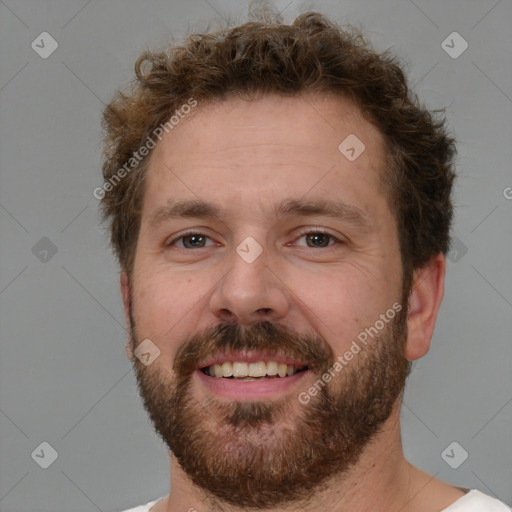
(126,293)
(424,301)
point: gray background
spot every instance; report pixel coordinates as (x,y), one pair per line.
(65,379)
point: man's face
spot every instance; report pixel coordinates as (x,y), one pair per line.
(261,242)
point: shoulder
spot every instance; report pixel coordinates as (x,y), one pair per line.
(476,501)
(432,494)
(143,508)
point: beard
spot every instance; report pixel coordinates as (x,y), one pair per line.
(260,454)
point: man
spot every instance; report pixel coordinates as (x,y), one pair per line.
(280,208)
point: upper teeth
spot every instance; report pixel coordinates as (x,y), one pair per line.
(242,369)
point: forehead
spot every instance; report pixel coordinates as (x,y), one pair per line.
(310,121)
(269,144)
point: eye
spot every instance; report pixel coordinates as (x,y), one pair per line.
(318,239)
(191,241)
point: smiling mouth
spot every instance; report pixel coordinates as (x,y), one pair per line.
(260,370)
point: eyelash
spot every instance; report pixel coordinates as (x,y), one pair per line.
(301,234)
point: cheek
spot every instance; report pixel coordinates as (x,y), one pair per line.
(341,303)
(163,309)
(335,303)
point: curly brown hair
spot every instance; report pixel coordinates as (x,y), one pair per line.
(312,55)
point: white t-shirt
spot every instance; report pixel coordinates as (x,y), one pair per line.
(144,508)
(472,501)
(476,501)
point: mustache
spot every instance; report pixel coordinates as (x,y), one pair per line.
(266,337)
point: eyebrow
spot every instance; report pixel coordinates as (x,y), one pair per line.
(199,209)
(191,208)
(324,208)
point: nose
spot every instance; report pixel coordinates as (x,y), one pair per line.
(250,292)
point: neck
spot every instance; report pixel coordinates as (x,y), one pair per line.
(380,481)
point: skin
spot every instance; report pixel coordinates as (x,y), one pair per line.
(246,157)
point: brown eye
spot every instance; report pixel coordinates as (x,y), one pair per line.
(191,241)
(318,239)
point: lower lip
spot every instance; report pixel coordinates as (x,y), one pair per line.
(235,389)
